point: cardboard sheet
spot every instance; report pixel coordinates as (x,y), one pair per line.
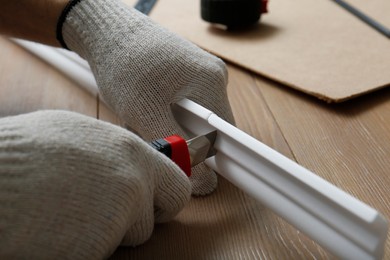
(314,46)
(378,9)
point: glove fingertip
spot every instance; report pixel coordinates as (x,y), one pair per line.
(203,180)
(173,193)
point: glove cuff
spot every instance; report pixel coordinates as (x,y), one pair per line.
(61,21)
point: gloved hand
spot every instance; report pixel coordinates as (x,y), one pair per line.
(74,187)
(142,69)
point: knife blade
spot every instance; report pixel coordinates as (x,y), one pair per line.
(201,147)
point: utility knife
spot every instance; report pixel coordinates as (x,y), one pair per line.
(187,153)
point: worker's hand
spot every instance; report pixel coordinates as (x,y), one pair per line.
(142,69)
(74,187)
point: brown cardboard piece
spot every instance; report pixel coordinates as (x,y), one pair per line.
(378,10)
(314,46)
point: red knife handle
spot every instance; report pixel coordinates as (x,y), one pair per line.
(175,147)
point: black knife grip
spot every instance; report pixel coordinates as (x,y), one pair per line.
(162,146)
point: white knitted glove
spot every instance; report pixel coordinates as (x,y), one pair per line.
(74,187)
(141,69)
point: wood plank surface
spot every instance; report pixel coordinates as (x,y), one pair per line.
(28,84)
(347,144)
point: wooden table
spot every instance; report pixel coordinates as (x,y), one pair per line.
(347,144)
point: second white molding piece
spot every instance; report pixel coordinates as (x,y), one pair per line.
(65,61)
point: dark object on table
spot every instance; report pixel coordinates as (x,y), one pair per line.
(233,13)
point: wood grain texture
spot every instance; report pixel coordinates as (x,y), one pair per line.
(347,144)
(28,84)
